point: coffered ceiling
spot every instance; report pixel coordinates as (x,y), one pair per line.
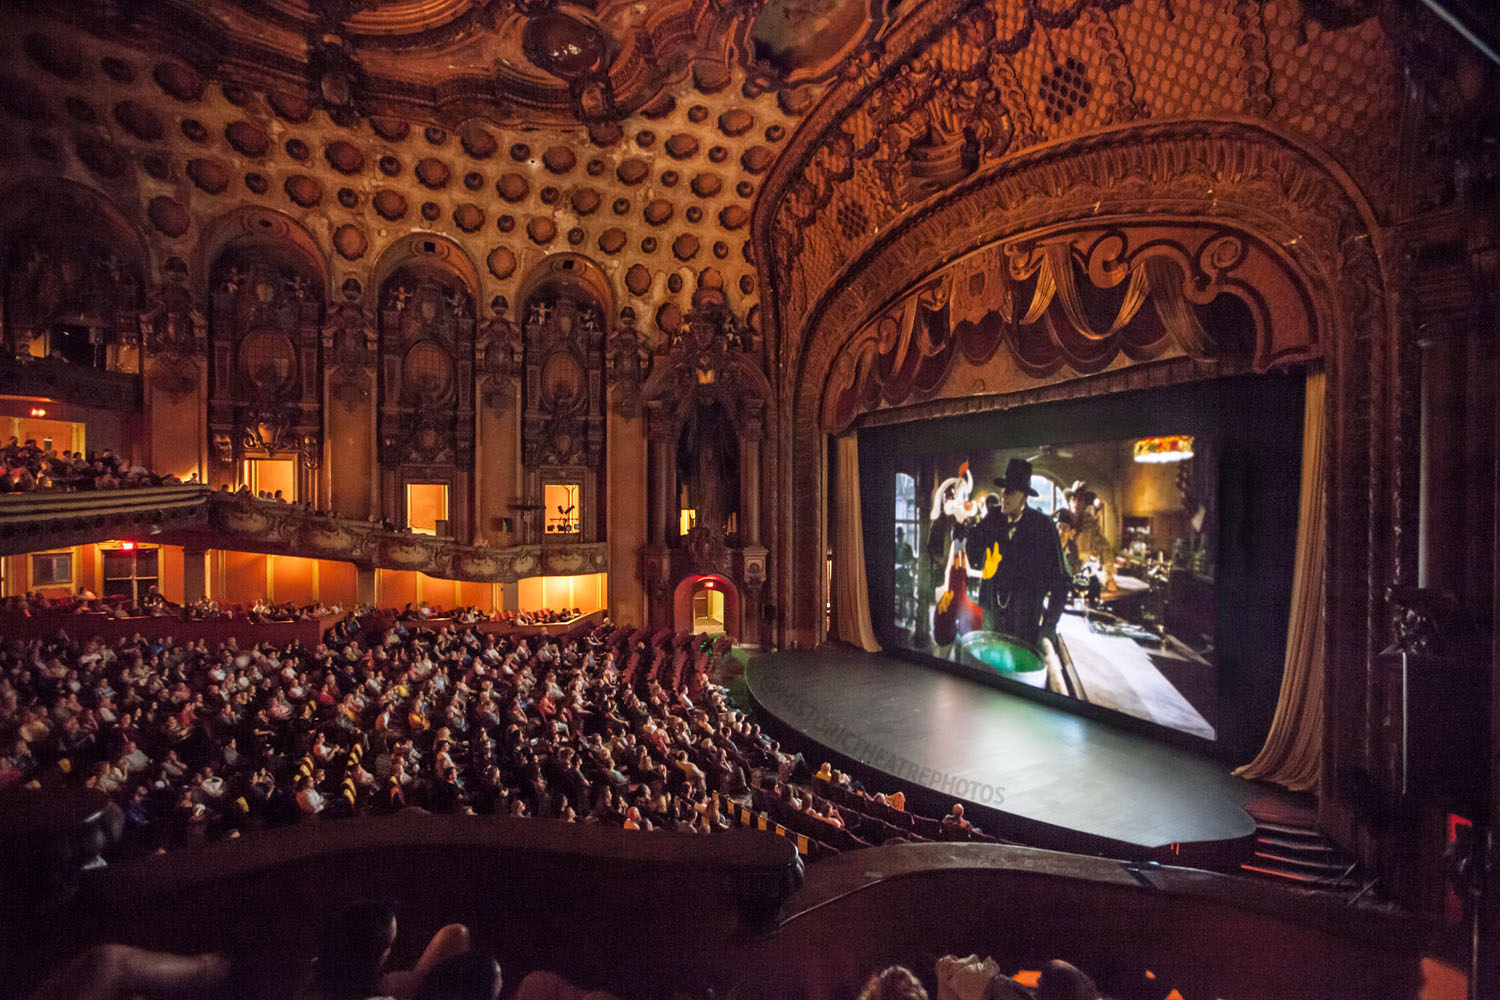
(636,133)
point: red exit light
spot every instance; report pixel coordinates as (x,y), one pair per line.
(37,411)
(127,546)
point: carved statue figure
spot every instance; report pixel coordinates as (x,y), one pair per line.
(347,334)
(500,355)
(708,465)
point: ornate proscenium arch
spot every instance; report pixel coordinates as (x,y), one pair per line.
(1305,261)
(1230,205)
(1077,297)
(1233,206)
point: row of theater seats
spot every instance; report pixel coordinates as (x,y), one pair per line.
(351,965)
(866,821)
(658,657)
(84,608)
(318,748)
(887,822)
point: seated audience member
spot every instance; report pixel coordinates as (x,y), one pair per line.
(468,975)
(970,978)
(894,983)
(550,986)
(955,817)
(109,971)
(1061,981)
(233,737)
(356,945)
(309,799)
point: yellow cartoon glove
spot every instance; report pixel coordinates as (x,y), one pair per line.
(992,559)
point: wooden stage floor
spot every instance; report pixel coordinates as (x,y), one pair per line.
(1039,774)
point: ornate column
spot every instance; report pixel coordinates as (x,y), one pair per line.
(194,575)
(752,430)
(628,505)
(1439,554)
(751,567)
(659,458)
(349,433)
(364,584)
(498,436)
(656,564)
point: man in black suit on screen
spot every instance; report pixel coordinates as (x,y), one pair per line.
(1025,584)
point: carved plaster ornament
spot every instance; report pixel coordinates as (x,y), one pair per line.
(268,429)
(337,76)
(223,447)
(172,326)
(500,349)
(705,550)
(349,347)
(627,363)
(425,410)
(310,452)
(563,423)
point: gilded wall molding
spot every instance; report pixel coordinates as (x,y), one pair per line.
(251,525)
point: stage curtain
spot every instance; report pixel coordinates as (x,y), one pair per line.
(1293,752)
(851,596)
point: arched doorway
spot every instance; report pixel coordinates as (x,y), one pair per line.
(707,603)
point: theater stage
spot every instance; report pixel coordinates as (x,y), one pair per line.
(1025,771)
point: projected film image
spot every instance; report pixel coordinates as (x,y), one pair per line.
(1086,569)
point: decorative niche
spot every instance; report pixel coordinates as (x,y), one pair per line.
(264,336)
(426,370)
(564,330)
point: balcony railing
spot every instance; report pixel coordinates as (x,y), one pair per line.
(54,379)
(199,518)
(34,522)
(251,525)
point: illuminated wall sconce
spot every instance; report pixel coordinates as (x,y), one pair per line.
(1168,448)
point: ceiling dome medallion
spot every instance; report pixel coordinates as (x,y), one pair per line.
(564,45)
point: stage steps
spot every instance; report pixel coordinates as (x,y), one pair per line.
(1289,848)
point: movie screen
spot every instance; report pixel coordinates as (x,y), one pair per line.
(1086,569)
